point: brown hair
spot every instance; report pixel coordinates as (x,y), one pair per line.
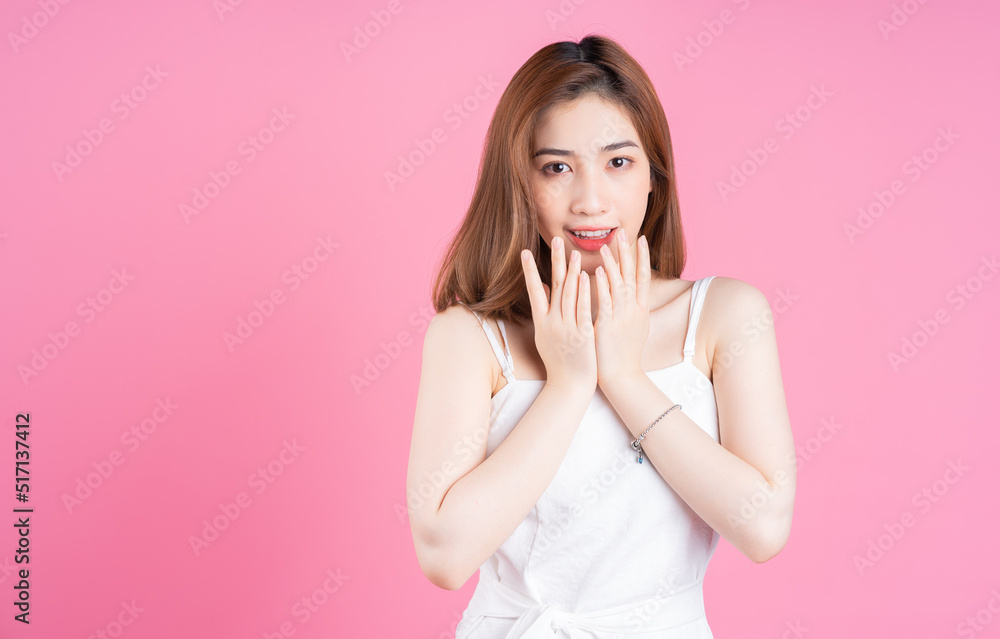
(482,267)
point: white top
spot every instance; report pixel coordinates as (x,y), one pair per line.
(609,550)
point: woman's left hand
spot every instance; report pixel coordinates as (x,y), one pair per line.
(622,324)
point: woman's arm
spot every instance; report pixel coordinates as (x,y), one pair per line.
(463,505)
(745,487)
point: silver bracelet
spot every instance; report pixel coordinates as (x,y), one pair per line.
(637,444)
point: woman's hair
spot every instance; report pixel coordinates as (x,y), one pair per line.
(482,266)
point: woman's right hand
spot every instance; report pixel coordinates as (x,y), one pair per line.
(564,330)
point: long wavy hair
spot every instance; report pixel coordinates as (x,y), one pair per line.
(482,267)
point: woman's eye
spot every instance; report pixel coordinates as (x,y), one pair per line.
(550,168)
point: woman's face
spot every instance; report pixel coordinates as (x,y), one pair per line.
(589,172)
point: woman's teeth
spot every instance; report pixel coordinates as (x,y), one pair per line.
(592,234)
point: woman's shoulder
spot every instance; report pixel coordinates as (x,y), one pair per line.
(456,335)
(457,320)
(723,292)
(734,293)
(459,330)
(731,286)
(458,315)
(729,306)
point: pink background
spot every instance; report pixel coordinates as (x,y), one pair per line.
(335,505)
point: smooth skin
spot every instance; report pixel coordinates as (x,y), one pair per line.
(590,170)
(464,505)
(612,346)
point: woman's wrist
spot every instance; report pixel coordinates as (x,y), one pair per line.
(572,389)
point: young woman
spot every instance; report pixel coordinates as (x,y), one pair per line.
(588,423)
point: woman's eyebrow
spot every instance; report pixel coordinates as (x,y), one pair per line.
(614,146)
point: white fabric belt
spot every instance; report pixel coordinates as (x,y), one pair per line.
(536,620)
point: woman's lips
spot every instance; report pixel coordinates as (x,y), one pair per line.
(591,244)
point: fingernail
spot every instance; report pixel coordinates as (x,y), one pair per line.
(643,240)
(525,255)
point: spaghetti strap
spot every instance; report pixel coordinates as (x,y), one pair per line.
(503,356)
(582,581)
(697,299)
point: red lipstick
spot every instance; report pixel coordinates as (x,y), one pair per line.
(591,243)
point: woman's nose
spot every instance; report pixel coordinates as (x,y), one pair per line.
(589,194)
